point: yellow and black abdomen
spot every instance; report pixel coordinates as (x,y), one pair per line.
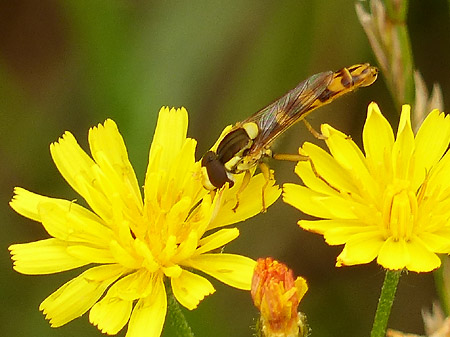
(346,80)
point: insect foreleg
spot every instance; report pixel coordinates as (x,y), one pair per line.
(244,184)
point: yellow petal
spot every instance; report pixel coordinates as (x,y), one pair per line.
(378,139)
(170,135)
(337,232)
(250,201)
(328,177)
(350,158)
(165,185)
(422,259)
(43,257)
(110,314)
(80,171)
(147,318)
(439,178)
(412,255)
(113,311)
(172,271)
(91,254)
(138,284)
(403,148)
(317,204)
(176,215)
(66,304)
(186,248)
(432,139)
(189,289)
(438,241)
(64,221)
(394,254)
(125,257)
(341,235)
(302,287)
(72,162)
(216,240)
(231,269)
(26,203)
(361,248)
(311,180)
(317,226)
(117,175)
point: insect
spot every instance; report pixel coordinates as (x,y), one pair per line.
(249,142)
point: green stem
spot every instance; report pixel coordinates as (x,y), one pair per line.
(402,86)
(441,279)
(385,303)
(176,317)
(397,9)
(407,64)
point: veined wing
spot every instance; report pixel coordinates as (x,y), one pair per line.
(289,109)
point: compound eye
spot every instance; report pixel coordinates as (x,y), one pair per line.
(208,157)
(216,174)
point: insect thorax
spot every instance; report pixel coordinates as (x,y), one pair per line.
(231,156)
(233,150)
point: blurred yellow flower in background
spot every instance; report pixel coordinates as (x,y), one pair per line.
(135,243)
(392,203)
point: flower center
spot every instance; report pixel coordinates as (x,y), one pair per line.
(399,210)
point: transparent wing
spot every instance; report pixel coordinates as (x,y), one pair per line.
(287,110)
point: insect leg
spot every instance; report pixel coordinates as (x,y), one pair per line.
(198,204)
(315,133)
(265,170)
(290,157)
(317,174)
(244,184)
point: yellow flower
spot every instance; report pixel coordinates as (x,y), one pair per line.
(392,203)
(134,243)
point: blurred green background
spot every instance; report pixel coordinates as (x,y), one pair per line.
(68,65)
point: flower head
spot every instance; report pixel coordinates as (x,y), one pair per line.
(391,203)
(277,295)
(134,242)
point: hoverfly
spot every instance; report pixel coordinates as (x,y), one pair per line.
(249,142)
